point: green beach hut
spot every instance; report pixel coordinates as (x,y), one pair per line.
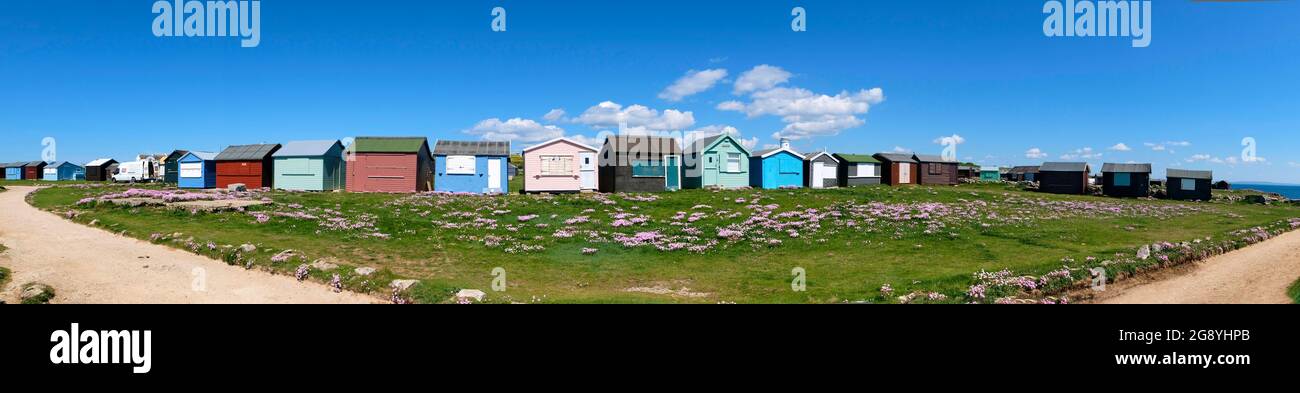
(310,166)
(719,161)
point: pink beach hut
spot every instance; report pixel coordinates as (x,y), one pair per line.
(560,165)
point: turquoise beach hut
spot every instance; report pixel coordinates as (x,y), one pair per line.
(197,169)
(310,166)
(64,170)
(776,168)
(718,161)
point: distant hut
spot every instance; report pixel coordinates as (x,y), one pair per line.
(1126,180)
(101,169)
(34,170)
(64,171)
(390,164)
(560,165)
(897,169)
(1064,177)
(967,171)
(15,170)
(822,170)
(990,173)
(1189,185)
(310,166)
(1023,173)
(858,170)
(719,161)
(172,166)
(781,167)
(1222,185)
(477,167)
(935,170)
(197,169)
(250,165)
(639,163)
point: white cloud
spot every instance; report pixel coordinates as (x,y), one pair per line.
(637,117)
(1035,153)
(808,114)
(900,149)
(515,130)
(708,131)
(692,83)
(1165,146)
(762,77)
(1199,157)
(1179,143)
(554,115)
(1293,164)
(589,141)
(734,106)
(950,140)
(1085,153)
(1120,147)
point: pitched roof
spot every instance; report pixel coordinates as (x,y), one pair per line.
(306,148)
(36,163)
(765,153)
(1188,174)
(561,139)
(1024,169)
(15,165)
(820,153)
(857,158)
(203,155)
(643,144)
(1132,168)
(247,152)
(100,162)
(61,163)
(1063,167)
(177,154)
(471,148)
(990,169)
(894,157)
(931,158)
(702,143)
(388,144)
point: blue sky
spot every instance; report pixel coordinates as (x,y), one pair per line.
(867,76)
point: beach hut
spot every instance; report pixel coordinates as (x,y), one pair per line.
(172,167)
(1126,180)
(718,161)
(101,169)
(1064,177)
(821,170)
(968,171)
(15,170)
(897,169)
(935,170)
(310,166)
(63,171)
(477,167)
(560,165)
(858,170)
(781,167)
(1023,173)
(990,173)
(1189,185)
(389,164)
(250,165)
(639,163)
(34,170)
(197,169)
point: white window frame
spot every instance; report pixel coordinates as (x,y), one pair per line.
(191,170)
(1185,184)
(551,162)
(734,158)
(462,165)
(874,172)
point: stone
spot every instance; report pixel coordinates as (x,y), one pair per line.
(402,285)
(365,271)
(247,248)
(237,187)
(470,294)
(37,291)
(324,266)
(94,222)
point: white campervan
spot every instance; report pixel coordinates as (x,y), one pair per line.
(131,172)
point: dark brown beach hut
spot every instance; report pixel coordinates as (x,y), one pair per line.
(1126,180)
(935,171)
(1188,185)
(1064,177)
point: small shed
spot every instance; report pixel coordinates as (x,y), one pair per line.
(935,170)
(897,169)
(477,167)
(1023,173)
(250,165)
(858,170)
(64,171)
(197,169)
(990,173)
(1064,177)
(718,161)
(967,171)
(389,164)
(1126,180)
(34,170)
(15,170)
(101,169)
(560,165)
(822,170)
(1188,185)
(310,166)
(781,167)
(639,163)
(172,167)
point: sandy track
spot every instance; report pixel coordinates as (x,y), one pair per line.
(88,265)
(1257,274)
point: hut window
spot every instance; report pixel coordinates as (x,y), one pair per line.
(866,170)
(936,168)
(1189,184)
(557,165)
(1123,180)
(648,168)
(733,162)
(461,165)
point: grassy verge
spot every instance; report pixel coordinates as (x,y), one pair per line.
(1295,291)
(870,244)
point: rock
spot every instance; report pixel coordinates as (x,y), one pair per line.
(365,271)
(36,293)
(470,294)
(402,285)
(237,187)
(1257,199)
(324,266)
(94,222)
(247,248)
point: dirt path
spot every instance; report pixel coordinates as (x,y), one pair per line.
(87,265)
(1257,274)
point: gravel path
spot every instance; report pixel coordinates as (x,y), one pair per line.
(88,265)
(1257,274)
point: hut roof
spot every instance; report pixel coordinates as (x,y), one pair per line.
(306,148)
(36,163)
(1188,174)
(931,158)
(895,157)
(1131,168)
(1064,167)
(560,139)
(1020,170)
(821,153)
(990,169)
(857,158)
(247,152)
(205,156)
(387,144)
(643,144)
(177,154)
(768,152)
(474,148)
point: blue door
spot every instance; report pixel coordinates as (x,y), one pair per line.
(673,180)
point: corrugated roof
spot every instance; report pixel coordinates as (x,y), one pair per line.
(36,163)
(1189,174)
(471,148)
(1024,169)
(15,164)
(767,152)
(306,148)
(1063,167)
(931,158)
(857,158)
(178,154)
(389,144)
(99,162)
(1132,168)
(895,157)
(643,144)
(702,143)
(990,169)
(247,152)
(204,155)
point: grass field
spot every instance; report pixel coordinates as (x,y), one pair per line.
(870,244)
(1295,291)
